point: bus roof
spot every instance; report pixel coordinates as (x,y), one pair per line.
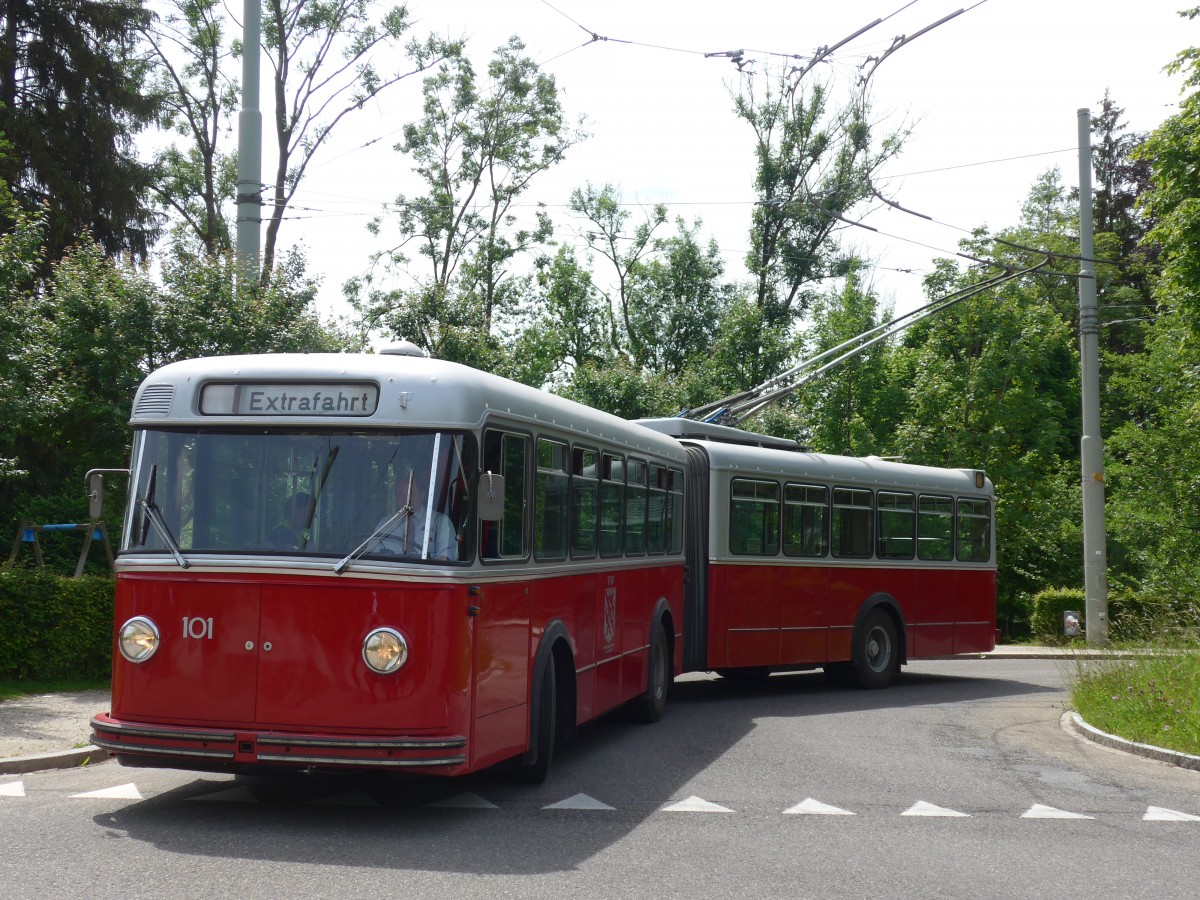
(364,391)
(851,470)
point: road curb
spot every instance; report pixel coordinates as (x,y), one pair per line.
(1074,722)
(63,759)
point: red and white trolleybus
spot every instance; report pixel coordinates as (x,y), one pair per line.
(388,561)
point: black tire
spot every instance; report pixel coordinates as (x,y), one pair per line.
(650,706)
(535,766)
(876,652)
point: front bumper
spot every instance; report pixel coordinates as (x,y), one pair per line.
(217,749)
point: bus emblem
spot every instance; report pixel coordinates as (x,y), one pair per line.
(610,615)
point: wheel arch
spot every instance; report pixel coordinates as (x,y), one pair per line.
(555,648)
(664,618)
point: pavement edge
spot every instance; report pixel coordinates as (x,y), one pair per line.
(1074,722)
(63,759)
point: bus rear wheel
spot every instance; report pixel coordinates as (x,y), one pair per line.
(650,706)
(876,651)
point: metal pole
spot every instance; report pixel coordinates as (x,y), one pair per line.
(1091,450)
(249,164)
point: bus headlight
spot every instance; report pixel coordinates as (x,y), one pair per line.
(138,639)
(385,650)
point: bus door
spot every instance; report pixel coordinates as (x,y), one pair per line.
(500,623)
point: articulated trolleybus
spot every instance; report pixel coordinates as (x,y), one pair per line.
(392,562)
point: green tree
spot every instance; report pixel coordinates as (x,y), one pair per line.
(856,405)
(1173,153)
(677,300)
(607,233)
(197,179)
(72,99)
(813,166)
(477,148)
(324,55)
(1152,492)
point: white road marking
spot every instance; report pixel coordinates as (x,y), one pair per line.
(811,807)
(464,801)
(12,789)
(1160,814)
(921,808)
(1041,811)
(120,792)
(695,804)
(579,801)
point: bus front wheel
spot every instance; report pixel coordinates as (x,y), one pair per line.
(545,734)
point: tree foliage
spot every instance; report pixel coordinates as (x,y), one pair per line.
(195,180)
(477,148)
(72,99)
(328,59)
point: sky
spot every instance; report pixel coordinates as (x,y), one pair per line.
(991,95)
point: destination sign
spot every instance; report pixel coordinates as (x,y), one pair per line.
(263,399)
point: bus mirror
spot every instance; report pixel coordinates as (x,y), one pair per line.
(94,480)
(95,492)
(491,497)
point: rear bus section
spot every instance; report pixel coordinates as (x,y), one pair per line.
(854,565)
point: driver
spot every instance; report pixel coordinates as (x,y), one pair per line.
(407,536)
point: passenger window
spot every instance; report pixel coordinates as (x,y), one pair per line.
(635,508)
(675,523)
(585,502)
(805,520)
(754,517)
(897,525)
(851,537)
(935,529)
(550,501)
(612,504)
(974,531)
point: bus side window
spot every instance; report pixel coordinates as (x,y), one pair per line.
(612,504)
(754,517)
(806,520)
(550,501)
(585,502)
(935,528)
(505,538)
(974,530)
(852,523)
(896,525)
(635,508)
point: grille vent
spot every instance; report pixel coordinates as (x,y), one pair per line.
(155,401)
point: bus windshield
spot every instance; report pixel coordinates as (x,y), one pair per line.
(302,493)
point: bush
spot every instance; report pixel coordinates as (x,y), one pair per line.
(1048,608)
(55,627)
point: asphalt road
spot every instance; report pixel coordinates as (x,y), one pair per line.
(958,781)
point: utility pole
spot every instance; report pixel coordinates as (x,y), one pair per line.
(249,164)
(1091,450)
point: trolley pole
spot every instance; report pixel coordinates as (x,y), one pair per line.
(249,163)
(1091,451)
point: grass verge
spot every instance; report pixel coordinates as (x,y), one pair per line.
(11,688)
(1152,699)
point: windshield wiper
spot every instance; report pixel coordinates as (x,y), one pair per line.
(384,527)
(154,516)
